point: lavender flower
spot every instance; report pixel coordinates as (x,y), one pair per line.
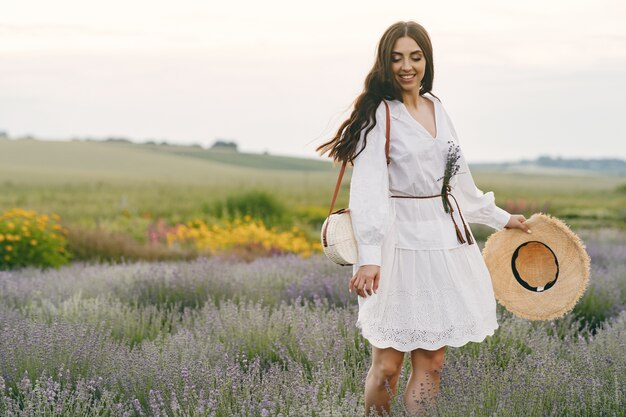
(451,169)
(277,337)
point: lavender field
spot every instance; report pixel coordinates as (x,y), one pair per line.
(276,337)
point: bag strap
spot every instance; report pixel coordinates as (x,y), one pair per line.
(343,166)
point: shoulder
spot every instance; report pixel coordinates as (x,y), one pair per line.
(376,131)
(437,100)
(449,122)
(380,114)
(432,97)
(381,110)
(394,110)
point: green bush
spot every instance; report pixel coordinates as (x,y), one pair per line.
(313,215)
(31,239)
(256,203)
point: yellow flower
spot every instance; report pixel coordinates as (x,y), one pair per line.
(7,258)
(1,237)
(11,226)
(242,233)
(33,242)
(8,248)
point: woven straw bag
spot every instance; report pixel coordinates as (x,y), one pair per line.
(338,241)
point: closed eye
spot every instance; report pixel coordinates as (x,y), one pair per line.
(414,59)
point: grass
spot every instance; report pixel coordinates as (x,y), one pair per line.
(179,183)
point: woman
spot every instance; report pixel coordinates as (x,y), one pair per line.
(421,280)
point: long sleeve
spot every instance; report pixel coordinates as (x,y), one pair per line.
(476,206)
(369,193)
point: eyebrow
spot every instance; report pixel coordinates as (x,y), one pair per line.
(417,51)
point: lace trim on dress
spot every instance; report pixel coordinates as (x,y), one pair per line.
(407,324)
(406,340)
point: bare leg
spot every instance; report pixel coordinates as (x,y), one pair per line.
(382,375)
(423,383)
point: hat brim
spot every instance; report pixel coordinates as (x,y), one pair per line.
(573,269)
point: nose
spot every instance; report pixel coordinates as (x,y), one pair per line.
(406,65)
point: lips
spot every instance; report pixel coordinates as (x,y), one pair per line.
(407,78)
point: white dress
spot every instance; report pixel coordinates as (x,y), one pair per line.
(433,291)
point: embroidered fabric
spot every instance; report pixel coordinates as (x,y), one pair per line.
(432,291)
(420,305)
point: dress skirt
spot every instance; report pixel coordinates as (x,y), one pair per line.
(428,298)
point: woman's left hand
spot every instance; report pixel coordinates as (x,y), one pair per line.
(518,221)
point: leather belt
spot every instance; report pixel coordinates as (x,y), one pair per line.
(448,208)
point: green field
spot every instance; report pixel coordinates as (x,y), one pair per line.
(207,334)
(88,182)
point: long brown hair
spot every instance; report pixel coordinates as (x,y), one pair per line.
(380,84)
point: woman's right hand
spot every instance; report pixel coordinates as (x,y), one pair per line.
(365,280)
(518,221)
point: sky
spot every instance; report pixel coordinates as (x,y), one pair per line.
(519,79)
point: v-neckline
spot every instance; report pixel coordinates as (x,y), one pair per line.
(408,113)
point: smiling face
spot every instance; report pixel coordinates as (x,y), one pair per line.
(408,63)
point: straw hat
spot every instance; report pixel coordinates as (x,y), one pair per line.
(538,276)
